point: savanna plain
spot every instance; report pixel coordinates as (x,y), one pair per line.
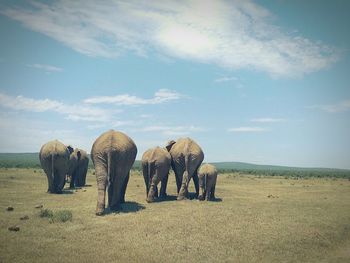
(254,219)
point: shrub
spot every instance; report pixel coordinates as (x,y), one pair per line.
(46,213)
(58,216)
(62,216)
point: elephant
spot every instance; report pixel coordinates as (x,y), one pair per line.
(186,157)
(78,166)
(207,175)
(155,167)
(113,154)
(54,159)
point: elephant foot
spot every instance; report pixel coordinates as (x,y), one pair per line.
(150,200)
(201,198)
(99,211)
(181,197)
(115,208)
(163,196)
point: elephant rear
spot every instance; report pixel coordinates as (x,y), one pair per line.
(207,176)
(113,154)
(54,159)
(155,168)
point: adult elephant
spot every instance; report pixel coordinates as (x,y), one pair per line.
(78,166)
(155,167)
(54,159)
(113,154)
(186,157)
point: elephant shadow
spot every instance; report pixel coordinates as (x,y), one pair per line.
(167,198)
(216,199)
(127,207)
(67,192)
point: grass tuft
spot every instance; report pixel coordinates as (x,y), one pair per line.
(62,216)
(46,213)
(58,216)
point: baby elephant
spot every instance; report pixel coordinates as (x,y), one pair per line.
(155,166)
(207,175)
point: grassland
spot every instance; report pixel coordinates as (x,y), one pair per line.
(259,219)
(31,160)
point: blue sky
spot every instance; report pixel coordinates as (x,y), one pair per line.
(263,82)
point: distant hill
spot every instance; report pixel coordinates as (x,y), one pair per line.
(31,160)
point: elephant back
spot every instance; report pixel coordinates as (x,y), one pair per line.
(57,150)
(208,169)
(54,147)
(157,155)
(115,142)
(186,146)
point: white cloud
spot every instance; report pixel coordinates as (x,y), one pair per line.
(160,96)
(46,68)
(267,120)
(172,130)
(333,108)
(73,112)
(248,129)
(232,34)
(226,79)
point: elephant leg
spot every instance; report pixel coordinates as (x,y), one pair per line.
(83,181)
(212,194)
(178,177)
(196,184)
(156,191)
(101,178)
(123,190)
(152,194)
(49,182)
(145,177)
(207,193)
(164,184)
(184,186)
(71,184)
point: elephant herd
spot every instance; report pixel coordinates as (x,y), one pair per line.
(113,154)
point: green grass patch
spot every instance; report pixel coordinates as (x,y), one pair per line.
(57,216)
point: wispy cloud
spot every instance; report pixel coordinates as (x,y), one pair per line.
(46,68)
(333,108)
(267,120)
(231,34)
(248,129)
(161,96)
(226,79)
(172,130)
(72,112)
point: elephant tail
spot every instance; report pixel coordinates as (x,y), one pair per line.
(109,166)
(186,176)
(53,171)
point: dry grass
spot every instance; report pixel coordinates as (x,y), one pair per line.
(258,220)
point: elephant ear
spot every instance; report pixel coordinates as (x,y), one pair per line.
(169,144)
(70,149)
